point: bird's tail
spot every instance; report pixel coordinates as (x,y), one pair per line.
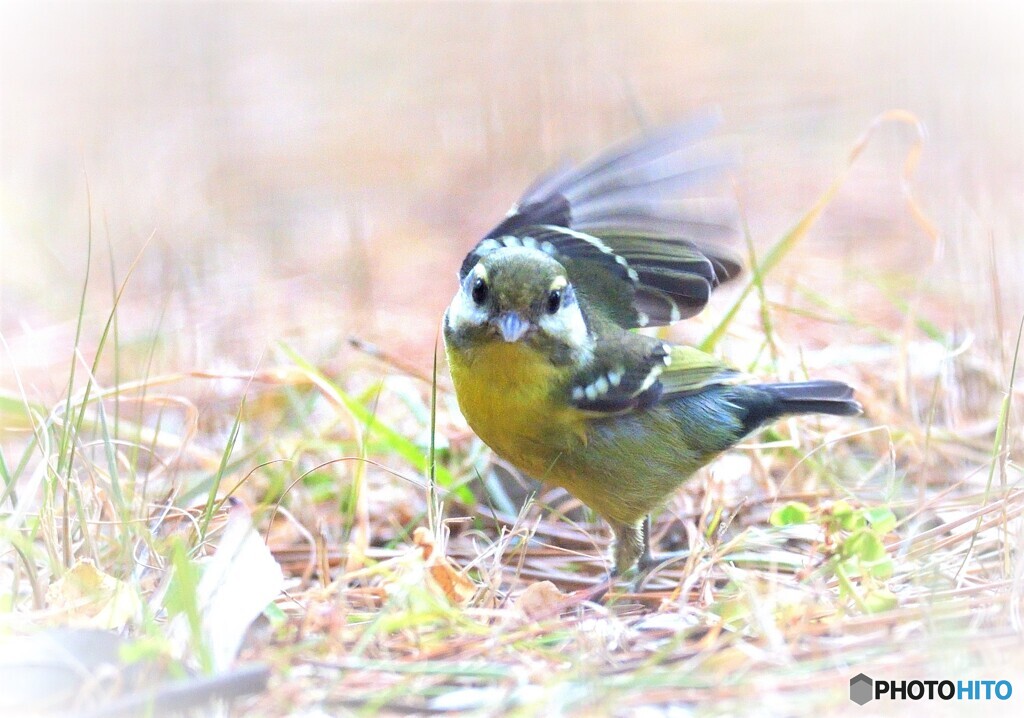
(766,402)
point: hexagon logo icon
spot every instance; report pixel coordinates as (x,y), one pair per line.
(861,689)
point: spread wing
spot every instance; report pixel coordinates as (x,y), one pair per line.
(635,229)
(636,372)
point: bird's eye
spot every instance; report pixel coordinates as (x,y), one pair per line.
(554,300)
(479,290)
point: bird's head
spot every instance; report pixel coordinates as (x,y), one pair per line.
(517,294)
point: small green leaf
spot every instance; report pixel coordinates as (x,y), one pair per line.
(881,569)
(865,545)
(275,615)
(852,567)
(845,517)
(841,508)
(792,513)
(733,612)
(879,600)
(881,518)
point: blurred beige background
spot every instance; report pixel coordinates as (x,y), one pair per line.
(307,171)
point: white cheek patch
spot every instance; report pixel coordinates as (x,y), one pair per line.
(568,327)
(463,312)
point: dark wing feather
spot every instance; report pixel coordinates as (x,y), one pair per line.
(632,372)
(564,244)
(638,237)
(624,377)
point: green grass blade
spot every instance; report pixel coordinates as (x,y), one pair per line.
(772,258)
(218,478)
(433,510)
(997,444)
(390,439)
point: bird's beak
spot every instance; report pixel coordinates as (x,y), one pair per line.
(512,326)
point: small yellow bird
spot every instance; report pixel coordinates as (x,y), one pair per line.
(546,367)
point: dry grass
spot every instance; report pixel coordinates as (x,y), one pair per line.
(487,608)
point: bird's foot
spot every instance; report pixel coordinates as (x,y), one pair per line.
(647,565)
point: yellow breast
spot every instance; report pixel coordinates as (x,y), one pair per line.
(505,391)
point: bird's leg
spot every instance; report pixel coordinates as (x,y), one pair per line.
(646,561)
(630,544)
